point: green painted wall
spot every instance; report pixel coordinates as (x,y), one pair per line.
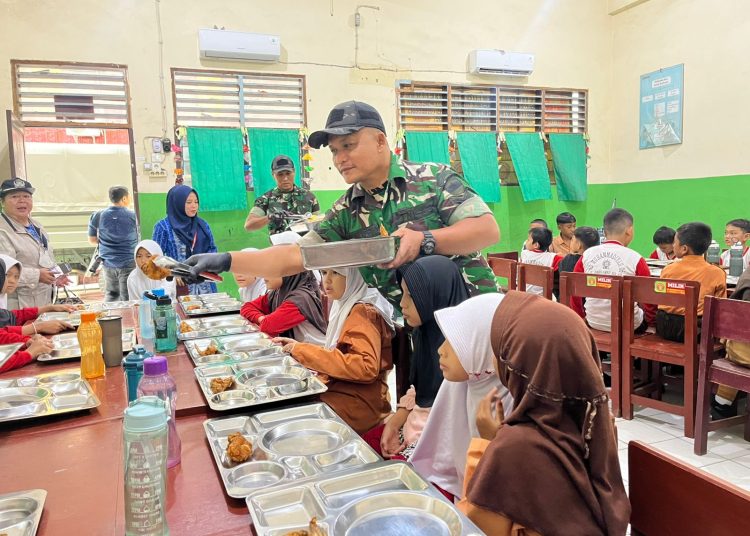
(713,200)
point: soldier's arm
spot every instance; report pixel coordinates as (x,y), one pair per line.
(467,236)
(256,219)
(276,261)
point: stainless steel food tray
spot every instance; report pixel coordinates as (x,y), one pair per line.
(348,253)
(245,346)
(215,326)
(7,350)
(73,318)
(21,511)
(257,382)
(209,304)
(289,445)
(53,393)
(66,346)
(386,498)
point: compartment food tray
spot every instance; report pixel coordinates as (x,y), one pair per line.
(66,346)
(214,326)
(21,511)
(7,351)
(348,253)
(289,445)
(209,304)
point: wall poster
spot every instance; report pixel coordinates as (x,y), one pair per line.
(661,107)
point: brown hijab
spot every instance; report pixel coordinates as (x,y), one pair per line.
(553,465)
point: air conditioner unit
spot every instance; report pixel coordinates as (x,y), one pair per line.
(226,45)
(500,63)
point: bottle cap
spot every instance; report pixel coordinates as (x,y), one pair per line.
(88,317)
(158,292)
(153,366)
(164,300)
(146,414)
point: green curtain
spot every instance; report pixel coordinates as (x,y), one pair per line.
(265,145)
(527,153)
(478,152)
(428,147)
(217,168)
(569,160)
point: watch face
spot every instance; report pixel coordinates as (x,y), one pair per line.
(428,246)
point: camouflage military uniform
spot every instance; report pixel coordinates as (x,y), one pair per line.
(298,201)
(417,196)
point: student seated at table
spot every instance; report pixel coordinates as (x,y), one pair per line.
(583,239)
(138,282)
(566,224)
(737,232)
(663,240)
(537,223)
(467,362)
(428,284)
(550,467)
(690,243)
(613,257)
(537,252)
(356,357)
(291,308)
(722,405)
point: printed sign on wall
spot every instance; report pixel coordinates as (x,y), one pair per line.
(661,107)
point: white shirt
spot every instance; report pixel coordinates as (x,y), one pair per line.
(539,258)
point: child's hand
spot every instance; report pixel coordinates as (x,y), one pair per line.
(50,327)
(487,424)
(390,444)
(57,308)
(39,346)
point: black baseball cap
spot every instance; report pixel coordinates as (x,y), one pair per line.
(347,118)
(282,163)
(16,185)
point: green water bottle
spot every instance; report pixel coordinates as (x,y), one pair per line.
(165,325)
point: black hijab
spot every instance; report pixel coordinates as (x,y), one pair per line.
(303,291)
(434,283)
(7,318)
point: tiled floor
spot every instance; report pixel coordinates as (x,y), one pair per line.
(728,455)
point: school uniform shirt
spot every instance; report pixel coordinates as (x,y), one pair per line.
(560,246)
(659,255)
(610,258)
(713,280)
(540,258)
(745,258)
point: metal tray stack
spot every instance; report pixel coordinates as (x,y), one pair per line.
(21,511)
(66,346)
(387,498)
(289,444)
(215,326)
(209,304)
(257,382)
(349,253)
(53,393)
(242,347)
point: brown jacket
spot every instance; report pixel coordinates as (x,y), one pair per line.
(713,280)
(356,370)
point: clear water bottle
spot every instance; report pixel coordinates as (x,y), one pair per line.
(146,322)
(90,340)
(132,365)
(736,263)
(157,382)
(602,238)
(165,325)
(713,254)
(145,437)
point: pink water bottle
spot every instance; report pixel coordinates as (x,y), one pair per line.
(156,381)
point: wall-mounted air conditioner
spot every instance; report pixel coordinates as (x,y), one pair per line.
(226,45)
(500,63)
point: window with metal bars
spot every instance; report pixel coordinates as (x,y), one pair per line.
(205,98)
(70,94)
(438,106)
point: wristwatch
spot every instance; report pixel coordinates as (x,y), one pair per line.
(428,243)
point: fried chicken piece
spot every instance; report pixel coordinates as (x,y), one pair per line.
(185,327)
(219,385)
(155,272)
(312,530)
(193,307)
(211,349)
(239,449)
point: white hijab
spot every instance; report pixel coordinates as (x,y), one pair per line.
(257,289)
(9,262)
(138,283)
(440,455)
(356,292)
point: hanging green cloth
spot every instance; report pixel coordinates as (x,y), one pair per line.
(217,168)
(527,153)
(427,147)
(569,160)
(478,152)
(265,145)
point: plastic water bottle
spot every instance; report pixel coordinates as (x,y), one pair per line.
(145,321)
(736,264)
(132,364)
(157,382)
(90,340)
(165,325)
(713,254)
(145,461)
(602,238)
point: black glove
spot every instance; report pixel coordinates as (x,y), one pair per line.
(214,263)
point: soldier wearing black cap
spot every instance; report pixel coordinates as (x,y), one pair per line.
(273,207)
(429,207)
